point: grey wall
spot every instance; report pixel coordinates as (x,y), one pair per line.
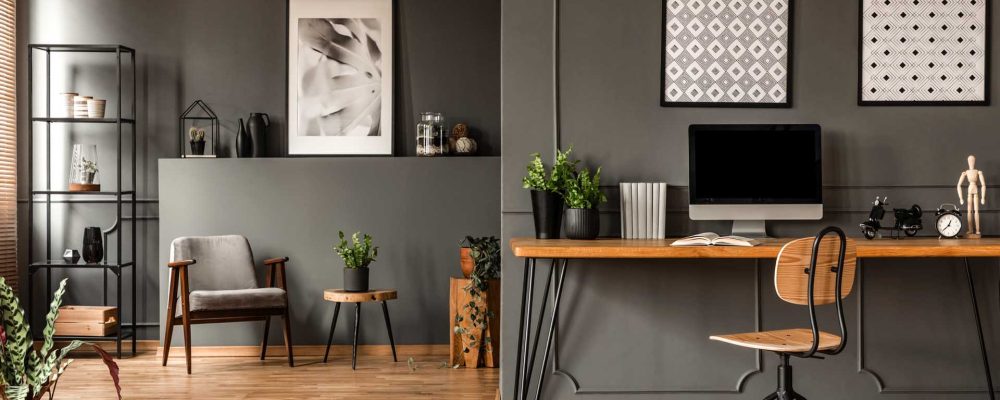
(417,210)
(642,331)
(231,53)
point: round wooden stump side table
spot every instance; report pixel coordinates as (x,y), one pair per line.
(339,296)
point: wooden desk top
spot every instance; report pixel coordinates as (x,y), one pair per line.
(655,248)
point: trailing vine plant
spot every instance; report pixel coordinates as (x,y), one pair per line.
(485,253)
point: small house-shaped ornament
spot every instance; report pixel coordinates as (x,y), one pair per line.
(199,131)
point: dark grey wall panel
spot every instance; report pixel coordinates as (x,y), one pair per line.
(417,209)
(641,330)
(231,53)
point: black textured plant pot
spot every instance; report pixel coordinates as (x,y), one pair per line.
(582,223)
(93,245)
(547,208)
(198,148)
(356,279)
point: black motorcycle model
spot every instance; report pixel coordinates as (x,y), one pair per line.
(907,220)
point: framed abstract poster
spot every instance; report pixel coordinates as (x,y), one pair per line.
(340,77)
(924,52)
(726,53)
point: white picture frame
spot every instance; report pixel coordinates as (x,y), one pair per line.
(340,77)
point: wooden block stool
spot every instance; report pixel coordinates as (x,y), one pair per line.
(341,296)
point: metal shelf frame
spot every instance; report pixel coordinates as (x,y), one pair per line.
(119,197)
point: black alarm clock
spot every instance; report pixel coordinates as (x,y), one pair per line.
(949,221)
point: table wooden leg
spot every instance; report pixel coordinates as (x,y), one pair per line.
(333,326)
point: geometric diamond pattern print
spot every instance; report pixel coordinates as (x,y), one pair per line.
(923,51)
(726,51)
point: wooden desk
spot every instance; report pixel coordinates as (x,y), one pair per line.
(560,251)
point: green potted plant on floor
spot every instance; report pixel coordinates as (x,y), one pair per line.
(583,195)
(32,372)
(357,255)
(547,192)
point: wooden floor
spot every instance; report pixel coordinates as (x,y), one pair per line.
(377,377)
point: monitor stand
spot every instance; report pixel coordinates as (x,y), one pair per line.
(749,228)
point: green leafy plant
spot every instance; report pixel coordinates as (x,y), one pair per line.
(359,253)
(584,190)
(485,253)
(25,371)
(563,170)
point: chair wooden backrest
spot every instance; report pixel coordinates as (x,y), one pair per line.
(791,272)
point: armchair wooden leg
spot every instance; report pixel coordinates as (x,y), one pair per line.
(263,343)
(186,318)
(288,338)
(171,312)
(167,335)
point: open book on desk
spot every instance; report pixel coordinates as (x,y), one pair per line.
(713,239)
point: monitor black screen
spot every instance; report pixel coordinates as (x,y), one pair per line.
(755,164)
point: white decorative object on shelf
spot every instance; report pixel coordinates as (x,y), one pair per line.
(80,108)
(95,108)
(975,195)
(67,103)
(643,210)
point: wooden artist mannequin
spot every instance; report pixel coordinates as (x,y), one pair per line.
(976,195)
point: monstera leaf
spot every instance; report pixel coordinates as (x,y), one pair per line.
(341,80)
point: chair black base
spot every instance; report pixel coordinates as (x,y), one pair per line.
(785,390)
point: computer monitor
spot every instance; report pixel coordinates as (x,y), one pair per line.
(752,173)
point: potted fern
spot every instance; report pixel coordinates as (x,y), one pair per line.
(583,195)
(547,192)
(357,255)
(30,372)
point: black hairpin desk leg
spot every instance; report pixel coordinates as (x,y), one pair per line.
(979,331)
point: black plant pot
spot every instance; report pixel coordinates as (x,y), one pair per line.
(582,223)
(198,148)
(547,207)
(93,245)
(356,279)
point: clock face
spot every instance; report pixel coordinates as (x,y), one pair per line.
(949,225)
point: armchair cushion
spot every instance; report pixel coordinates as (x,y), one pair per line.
(223,262)
(239,299)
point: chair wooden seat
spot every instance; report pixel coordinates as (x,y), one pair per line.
(783,340)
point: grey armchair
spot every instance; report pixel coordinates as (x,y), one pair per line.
(223,288)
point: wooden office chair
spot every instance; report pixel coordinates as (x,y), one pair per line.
(809,272)
(214,278)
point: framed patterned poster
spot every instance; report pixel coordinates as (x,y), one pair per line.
(924,52)
(726,53)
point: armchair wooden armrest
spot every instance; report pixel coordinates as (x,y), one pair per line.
(272,261)
(181,263)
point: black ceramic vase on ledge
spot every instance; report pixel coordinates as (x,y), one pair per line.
(547,208)
(582,223)
(93,245)
(356,279)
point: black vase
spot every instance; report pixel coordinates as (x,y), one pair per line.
(547,208)
(356,279)
(244,143)
(257,125)
(198,148)
(582,223)
(93,245)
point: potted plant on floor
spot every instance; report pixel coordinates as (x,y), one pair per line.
(357,255)
(583,195)
(547,192)
(472,322)
(32,372)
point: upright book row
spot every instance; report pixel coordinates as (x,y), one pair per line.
(643,210)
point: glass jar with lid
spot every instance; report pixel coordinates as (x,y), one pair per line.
(432,139)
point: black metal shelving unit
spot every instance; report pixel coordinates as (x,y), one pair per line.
(118,197)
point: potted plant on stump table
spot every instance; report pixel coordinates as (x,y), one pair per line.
(357,255)
(583,195)
(547,192)
(478,305)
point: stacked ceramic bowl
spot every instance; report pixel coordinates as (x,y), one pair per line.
(77,106)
